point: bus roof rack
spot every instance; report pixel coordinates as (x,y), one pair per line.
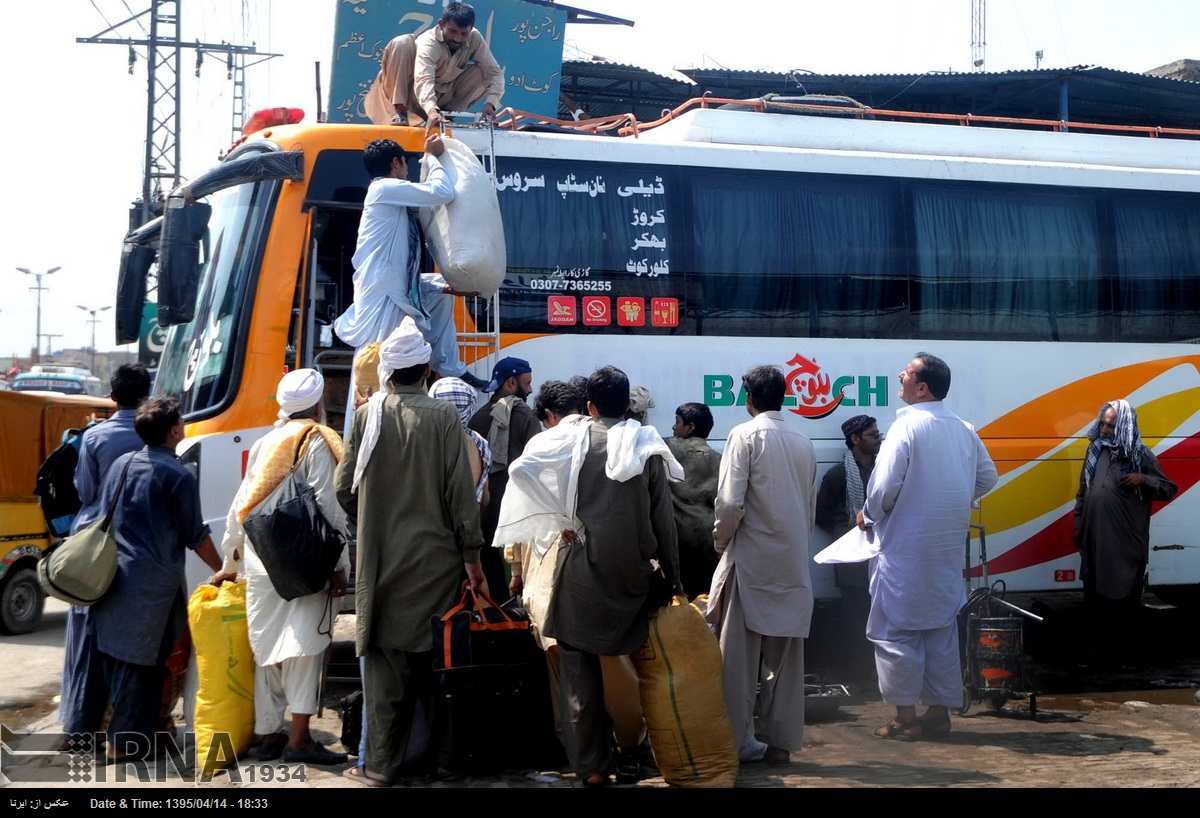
(816,105)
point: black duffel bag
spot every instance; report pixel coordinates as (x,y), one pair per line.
(297,545)
(491,691)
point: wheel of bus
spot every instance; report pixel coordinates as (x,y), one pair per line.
(21,602)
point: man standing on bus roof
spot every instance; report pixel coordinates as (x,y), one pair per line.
(388,284)
(929,471)
(1120,478)
(446,68)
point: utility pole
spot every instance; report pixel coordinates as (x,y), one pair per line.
(978,33)
(164,48)
(49,346)
(37,346)
(93,321)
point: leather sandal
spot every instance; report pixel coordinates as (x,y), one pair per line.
(777,757)
(935,726)
(901,731)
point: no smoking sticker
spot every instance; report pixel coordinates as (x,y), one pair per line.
(596,312)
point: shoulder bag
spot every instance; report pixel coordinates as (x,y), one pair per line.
(80,568)
(297,545)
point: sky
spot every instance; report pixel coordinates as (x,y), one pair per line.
(75,117)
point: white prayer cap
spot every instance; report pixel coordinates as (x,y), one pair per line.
(299,390)
(405,347)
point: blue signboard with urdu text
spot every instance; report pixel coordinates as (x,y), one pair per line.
(525,38)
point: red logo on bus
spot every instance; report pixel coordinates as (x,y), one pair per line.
(664,312)
(1064,576)
(595,311)
(631,312)
(811,388)
(560,309)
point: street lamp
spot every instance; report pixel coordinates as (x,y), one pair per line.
(94,321)
(37,347)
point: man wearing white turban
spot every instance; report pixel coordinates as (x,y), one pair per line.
(406,482)
(287,636)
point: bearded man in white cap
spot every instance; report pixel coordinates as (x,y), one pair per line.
(406,482)
(287,636)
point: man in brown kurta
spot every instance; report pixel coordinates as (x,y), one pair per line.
(602,587)
(448,67)
(418,528)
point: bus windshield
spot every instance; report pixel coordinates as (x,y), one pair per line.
(200,364)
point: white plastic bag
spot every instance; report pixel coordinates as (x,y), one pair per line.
(466,237)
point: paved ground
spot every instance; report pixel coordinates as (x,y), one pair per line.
(1094,739)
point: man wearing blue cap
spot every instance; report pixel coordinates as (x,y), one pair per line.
(507,423)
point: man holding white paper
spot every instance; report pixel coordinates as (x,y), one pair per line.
(916,578)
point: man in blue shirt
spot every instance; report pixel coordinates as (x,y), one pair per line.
(101,445)
(156,521)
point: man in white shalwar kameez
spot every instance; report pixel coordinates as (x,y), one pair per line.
(930,469)
(388,284)
(761,596)
(289,637)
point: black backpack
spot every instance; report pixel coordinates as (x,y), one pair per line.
(56,484)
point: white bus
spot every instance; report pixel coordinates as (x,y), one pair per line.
(1053,271)
(69,380)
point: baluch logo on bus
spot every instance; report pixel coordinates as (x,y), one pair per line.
(811,392)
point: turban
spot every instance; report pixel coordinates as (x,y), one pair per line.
(405,347)
(640,400)
(298,391)
(457,392)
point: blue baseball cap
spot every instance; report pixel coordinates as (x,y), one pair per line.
(504,369)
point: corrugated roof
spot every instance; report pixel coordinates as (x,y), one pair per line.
(1093,93)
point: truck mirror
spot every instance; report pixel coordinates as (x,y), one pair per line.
(179,260)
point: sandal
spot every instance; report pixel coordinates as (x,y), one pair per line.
(362,776)
(777,757)
(902,731)
(935,726)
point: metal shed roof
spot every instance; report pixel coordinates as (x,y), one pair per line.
(1092,93)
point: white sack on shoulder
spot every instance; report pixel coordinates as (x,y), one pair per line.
(466,236)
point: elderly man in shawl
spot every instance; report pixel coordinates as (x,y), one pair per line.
(918,506)
(286,635)
(1119,480)
(406,482)
(597,493)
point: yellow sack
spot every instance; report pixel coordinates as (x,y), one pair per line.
(683,700)
(224,718)
(366,370)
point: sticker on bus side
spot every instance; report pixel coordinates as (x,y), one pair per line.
(811,392)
